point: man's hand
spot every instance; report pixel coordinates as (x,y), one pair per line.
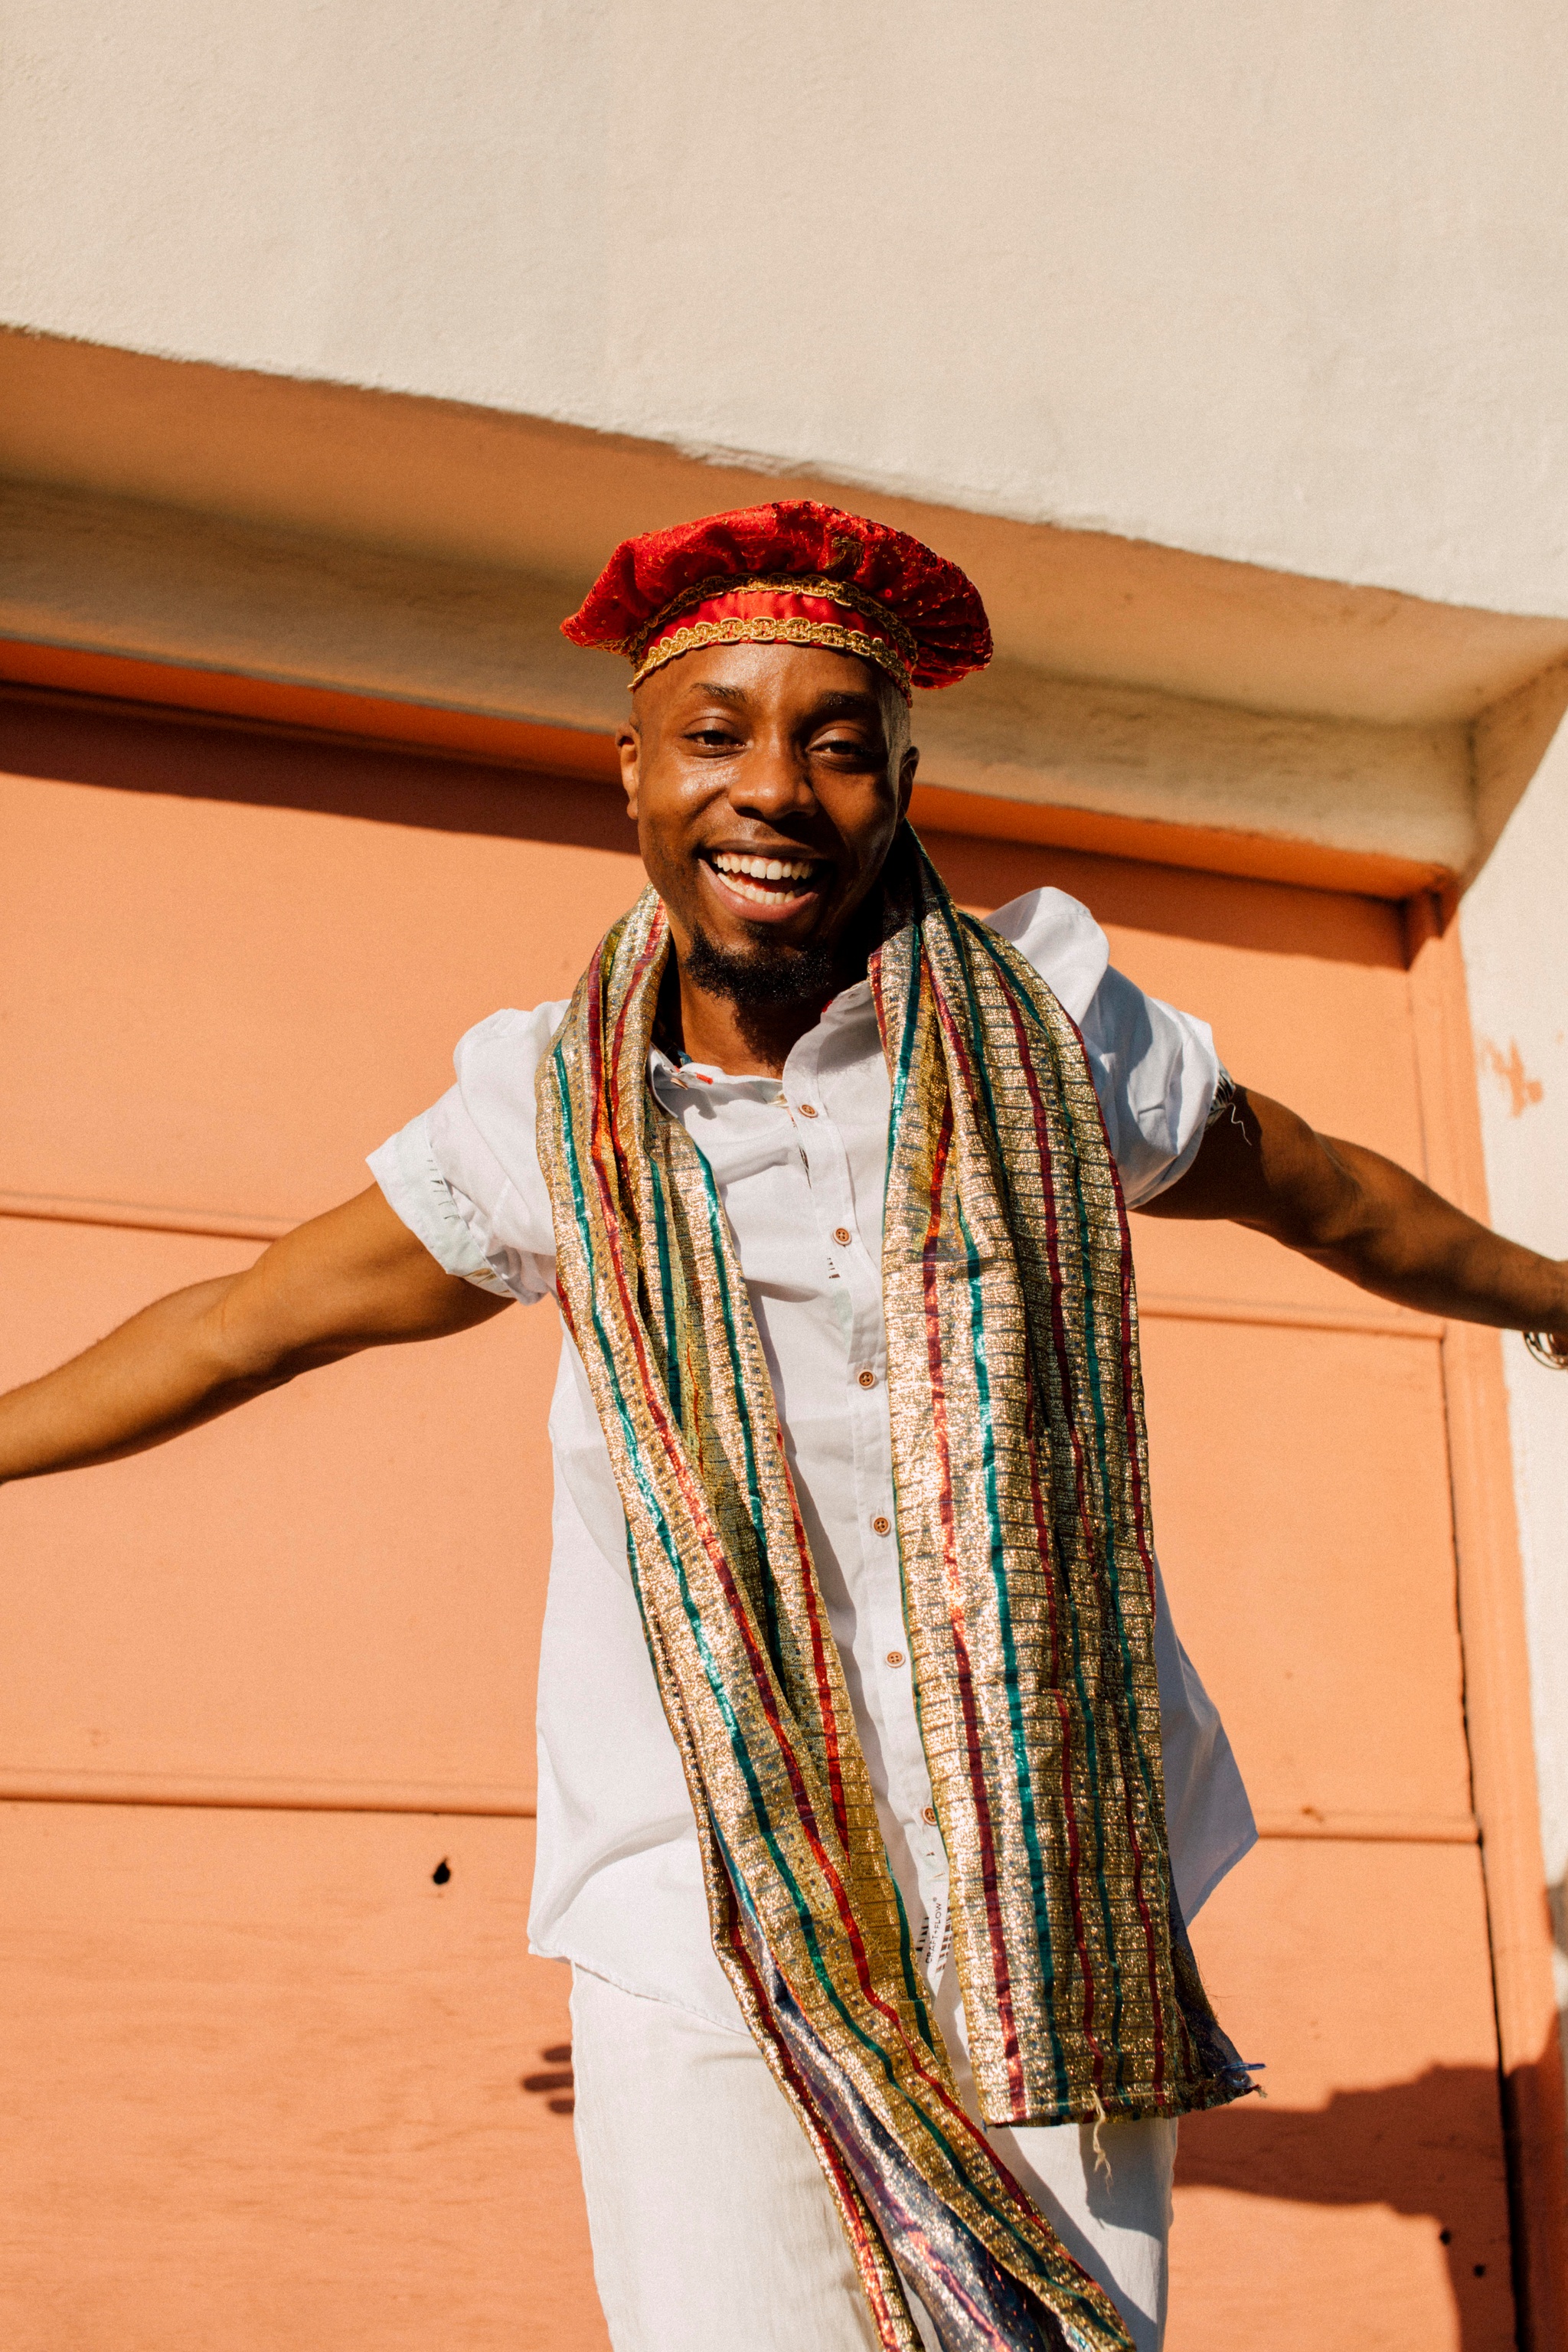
(1365,1218)
(353,1278)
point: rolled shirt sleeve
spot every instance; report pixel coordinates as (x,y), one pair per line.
(1154,1069)
(465,1176)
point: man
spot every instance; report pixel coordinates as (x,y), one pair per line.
(876,1789)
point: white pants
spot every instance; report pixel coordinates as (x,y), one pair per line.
(714,2230)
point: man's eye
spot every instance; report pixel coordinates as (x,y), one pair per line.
(710,735)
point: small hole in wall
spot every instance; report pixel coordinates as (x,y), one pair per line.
(557,2079)
(442,1873)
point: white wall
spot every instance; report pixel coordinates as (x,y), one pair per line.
(1282,284)
(1514,925)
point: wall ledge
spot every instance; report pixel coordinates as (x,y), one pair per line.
(378,549)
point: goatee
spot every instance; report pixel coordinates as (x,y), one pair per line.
(762,978)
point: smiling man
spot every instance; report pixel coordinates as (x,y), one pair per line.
(876,1791)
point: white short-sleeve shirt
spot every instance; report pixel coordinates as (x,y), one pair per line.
(800,1165)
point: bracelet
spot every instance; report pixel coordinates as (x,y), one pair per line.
(1540,1348)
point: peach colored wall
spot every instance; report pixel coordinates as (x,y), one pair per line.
(270,2080)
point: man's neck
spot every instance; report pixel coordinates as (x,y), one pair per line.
(750,1041)
(702,1014)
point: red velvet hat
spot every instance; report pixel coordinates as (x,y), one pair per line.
(792,573)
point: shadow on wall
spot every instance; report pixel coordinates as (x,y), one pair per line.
(1557,1907)
(1419,2148)
(125,747)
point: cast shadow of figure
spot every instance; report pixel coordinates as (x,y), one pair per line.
(1433,2146)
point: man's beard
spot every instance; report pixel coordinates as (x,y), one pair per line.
(770,974)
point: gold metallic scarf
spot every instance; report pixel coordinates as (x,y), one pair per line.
(1021,1481)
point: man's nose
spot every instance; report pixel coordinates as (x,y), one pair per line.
(771,781)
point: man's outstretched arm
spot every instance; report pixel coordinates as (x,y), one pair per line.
(1365,1218)
(353,1278)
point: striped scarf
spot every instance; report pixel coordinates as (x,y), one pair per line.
(1021,1479)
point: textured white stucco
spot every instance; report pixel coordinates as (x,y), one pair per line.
(1516,953)
(1277,284)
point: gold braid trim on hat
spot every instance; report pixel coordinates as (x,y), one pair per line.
(789,583)
(767,629)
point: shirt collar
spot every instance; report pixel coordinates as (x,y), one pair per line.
(684,1075)
(687,1076)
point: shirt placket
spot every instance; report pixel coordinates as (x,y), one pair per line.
(881,1644)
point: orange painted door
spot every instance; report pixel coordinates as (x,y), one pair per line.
(280,2067)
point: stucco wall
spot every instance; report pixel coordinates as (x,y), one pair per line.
(1516,953)
(1276,284)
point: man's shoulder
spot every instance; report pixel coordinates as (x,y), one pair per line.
(1061,938)
(481,1134)
(504,1050)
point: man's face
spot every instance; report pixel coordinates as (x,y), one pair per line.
(746,759)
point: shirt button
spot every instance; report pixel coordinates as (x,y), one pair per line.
(842,1235)
(894,1657)
(927,1813)
(808,1110)
(882,1525)
(868,1379)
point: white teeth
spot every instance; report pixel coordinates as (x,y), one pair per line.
(765,869)
(744,887)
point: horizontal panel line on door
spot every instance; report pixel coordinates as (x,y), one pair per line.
(1375,1322)
(1160,1305)
(222,1224)
(1371,1828)
(260,1795)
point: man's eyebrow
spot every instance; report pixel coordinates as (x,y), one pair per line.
(836,699)
(845,698)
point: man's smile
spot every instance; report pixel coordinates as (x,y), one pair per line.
(764,884)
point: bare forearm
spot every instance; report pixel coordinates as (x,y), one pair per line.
(353,1278)
(1365,1218)
(1401,1241)
(157,1375)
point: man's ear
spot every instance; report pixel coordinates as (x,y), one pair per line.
(907,767)
(629,743)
